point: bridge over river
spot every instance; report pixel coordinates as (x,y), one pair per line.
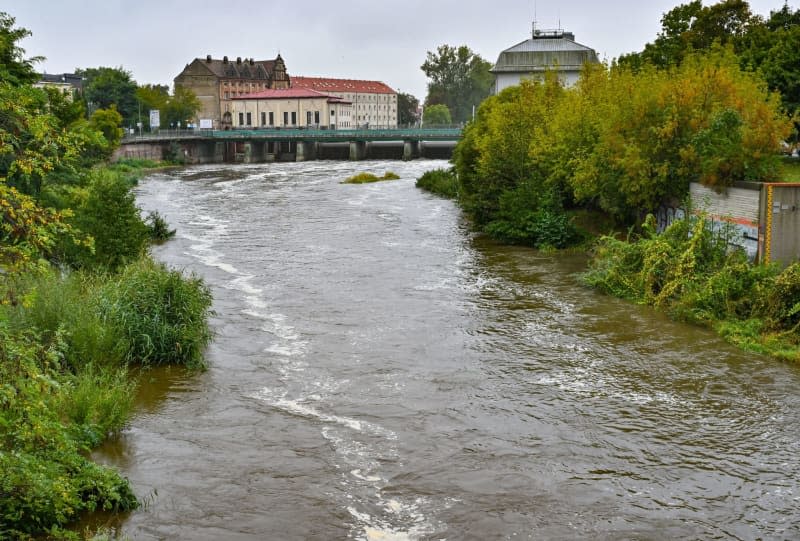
(293,144)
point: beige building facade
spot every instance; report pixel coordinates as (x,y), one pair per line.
(374,104)
(216,83)
(289,108)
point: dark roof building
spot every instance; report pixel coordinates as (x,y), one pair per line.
(66,82)
(215,82)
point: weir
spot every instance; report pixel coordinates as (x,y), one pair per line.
(258,146)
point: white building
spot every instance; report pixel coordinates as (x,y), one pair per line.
(546,49)
(374,103)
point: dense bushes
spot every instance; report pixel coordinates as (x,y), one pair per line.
(690,272)
(80,303)
(442,182)
(620,141)
(49,419)
(66,345)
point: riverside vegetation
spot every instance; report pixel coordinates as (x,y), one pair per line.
(366,178)
(541,162)
(83,307)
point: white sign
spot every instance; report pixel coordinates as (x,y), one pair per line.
(155,118)
(206,124)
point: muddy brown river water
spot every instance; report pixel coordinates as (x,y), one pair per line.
(381,373)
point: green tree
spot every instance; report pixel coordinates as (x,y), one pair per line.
(437,115)
(152,97)
(705,121)
(457,78)
(104,87)
(693,27)
(407,106)
(181,107)
(108,122)
(109,214)
(15,69)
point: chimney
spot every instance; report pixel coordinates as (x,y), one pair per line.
(224,59)
(208,59)
(238,59)
(252,61)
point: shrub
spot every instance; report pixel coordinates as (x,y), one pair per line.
(158,227)
(161,314)
(109,214)
(443,182)
(364,178)
(532,219)
(47,481)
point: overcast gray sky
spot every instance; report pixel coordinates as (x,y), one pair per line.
(358,39)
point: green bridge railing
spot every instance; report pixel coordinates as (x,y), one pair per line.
(304,134)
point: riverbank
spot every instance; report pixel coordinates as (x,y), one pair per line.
(687,272)
(79,309)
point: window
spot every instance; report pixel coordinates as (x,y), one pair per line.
(227,95)
(333,112)
(263,119)
(249,119)
(285,118)
(294,118)
(271,118)
(241,119)
(316,117)
(308,118)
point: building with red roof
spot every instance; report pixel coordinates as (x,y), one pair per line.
(374,104)
(288,108)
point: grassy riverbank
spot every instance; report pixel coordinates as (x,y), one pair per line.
(689,272)
(81,305)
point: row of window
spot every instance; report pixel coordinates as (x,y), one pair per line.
(246,119)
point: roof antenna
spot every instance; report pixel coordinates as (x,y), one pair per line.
(533,32)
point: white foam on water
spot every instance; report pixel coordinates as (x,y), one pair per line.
(364,477)
(297,407)
(242,283)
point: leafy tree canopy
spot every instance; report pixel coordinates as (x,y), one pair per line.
(458,78)
(14,68)
(181,107)
(407,106)
(104,87)
(436,114)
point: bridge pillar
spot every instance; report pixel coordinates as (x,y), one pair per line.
(358,150)
(411,149)
(306,150)
(253,152)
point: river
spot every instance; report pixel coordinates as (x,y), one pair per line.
(380,372)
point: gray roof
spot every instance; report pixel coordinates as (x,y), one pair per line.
(545,51)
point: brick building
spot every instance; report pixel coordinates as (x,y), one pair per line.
(216,82)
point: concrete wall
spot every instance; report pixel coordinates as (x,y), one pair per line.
(737,209)
(780,227)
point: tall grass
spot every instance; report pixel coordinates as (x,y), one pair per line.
(66,343)
(690,272)
(160,314)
